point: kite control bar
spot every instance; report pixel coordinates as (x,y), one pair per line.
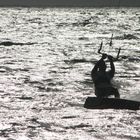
(116,58)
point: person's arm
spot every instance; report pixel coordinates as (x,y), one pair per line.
(94,70)
(112,71)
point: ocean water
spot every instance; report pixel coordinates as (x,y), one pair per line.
(46,57)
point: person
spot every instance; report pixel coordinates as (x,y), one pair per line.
(102,78)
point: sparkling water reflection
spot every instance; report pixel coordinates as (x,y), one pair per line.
(45,73)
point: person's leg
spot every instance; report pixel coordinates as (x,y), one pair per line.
(100,92)
(108,91)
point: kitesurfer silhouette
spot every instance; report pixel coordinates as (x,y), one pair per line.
(102,78)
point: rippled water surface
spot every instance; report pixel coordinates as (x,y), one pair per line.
(45,73)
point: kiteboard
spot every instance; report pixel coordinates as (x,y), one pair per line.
(111,103)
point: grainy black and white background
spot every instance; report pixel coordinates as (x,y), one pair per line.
(45,72)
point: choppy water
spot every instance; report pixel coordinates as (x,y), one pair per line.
(45,73)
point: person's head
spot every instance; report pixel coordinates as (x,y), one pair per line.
(102,66)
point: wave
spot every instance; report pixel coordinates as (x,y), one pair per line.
(9,43)
(73,61)
(126,36)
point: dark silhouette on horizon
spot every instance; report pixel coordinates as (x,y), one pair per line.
(70,3)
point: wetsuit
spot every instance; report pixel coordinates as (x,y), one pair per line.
(102,79)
